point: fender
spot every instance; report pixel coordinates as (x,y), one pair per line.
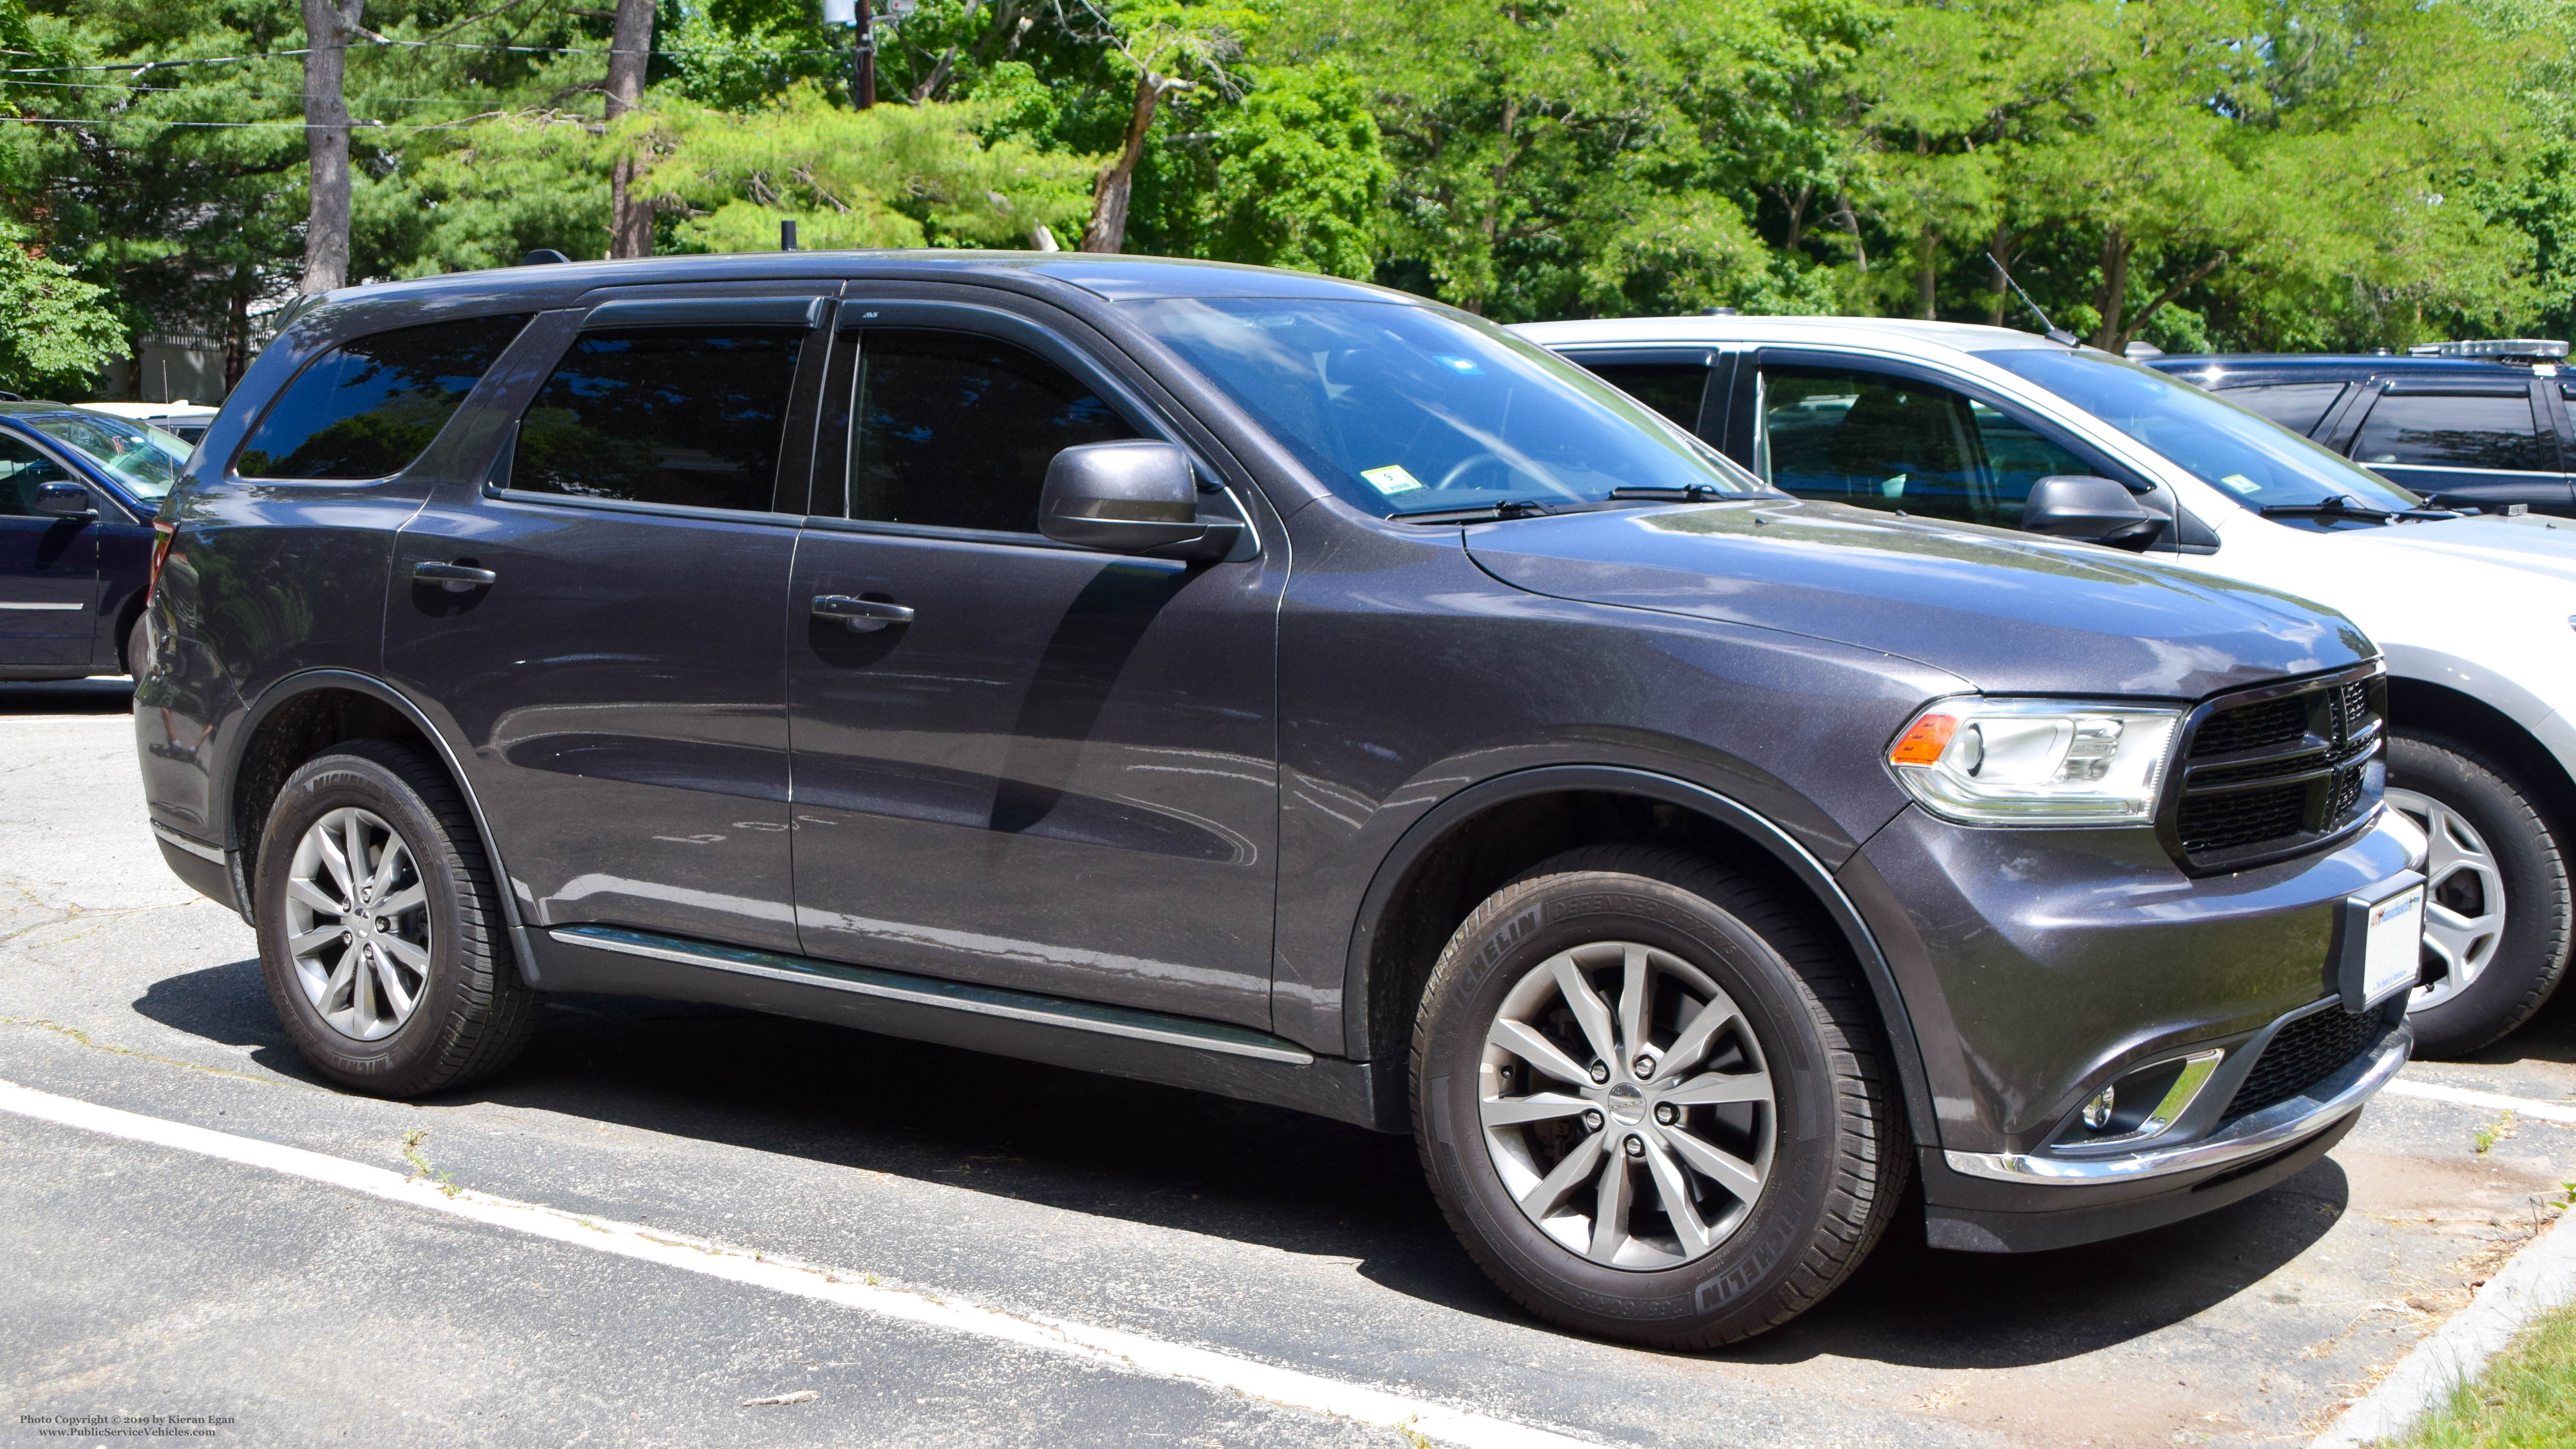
(310,680)
(1551,779)
(2550,726)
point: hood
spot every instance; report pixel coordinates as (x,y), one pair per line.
(2010,613)
(2529,543)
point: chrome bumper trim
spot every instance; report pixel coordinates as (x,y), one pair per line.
(198,849)
(2248,1137)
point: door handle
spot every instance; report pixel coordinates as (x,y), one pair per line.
(455,578)
(864,616)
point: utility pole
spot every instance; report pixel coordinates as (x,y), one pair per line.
(863,46)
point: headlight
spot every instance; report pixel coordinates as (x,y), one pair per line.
(2036,761)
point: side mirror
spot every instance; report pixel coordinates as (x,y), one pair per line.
(1130,497)
(2091,510)
(66,500)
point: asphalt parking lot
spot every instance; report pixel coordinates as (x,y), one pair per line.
(148,1280)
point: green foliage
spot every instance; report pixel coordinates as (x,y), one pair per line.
(55,329)
(2197,173)
(2526,1397)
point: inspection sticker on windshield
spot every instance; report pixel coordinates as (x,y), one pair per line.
(1391,479)
(2241,483)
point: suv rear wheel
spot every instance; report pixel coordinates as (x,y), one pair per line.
(379,929)
(2496,928)
(1605,1057)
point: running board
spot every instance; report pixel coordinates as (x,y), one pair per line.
(954,995)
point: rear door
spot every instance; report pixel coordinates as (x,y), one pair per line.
(2481,444)
(619,678)
(48,566)
(1059,773)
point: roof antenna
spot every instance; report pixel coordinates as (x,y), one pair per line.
(2055,332)
(787,236)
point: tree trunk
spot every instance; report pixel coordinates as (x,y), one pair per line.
(327,28)
(237,337)
(1927,274)
(2114,296)
(2000,252)
(630,50)
(1108,229)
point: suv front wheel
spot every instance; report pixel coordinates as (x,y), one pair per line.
(380,932)
(1650,1099)
(2497,902)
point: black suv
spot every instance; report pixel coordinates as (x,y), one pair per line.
(2472,425)
(1279,687)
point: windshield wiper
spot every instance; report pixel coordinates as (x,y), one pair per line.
(2337,506)
(1689,493)
(1482,512)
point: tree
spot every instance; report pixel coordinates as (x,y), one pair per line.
(1170,45)
(328,27)
(56,330)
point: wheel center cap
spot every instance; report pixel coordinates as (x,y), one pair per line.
(1627,1104)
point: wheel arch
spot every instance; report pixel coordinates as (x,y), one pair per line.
(1471,843)
(304,714)
(2421,706)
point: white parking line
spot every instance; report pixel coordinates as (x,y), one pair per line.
(2462,1096)
(1109,1346)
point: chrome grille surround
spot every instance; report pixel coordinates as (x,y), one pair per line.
(2265,774)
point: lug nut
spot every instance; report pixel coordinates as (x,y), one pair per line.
(1636,1146)
(1592,1120)
(1600,1071)
(1666,1113)
(1645,1068)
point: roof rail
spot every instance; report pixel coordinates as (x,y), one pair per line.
(2538,349)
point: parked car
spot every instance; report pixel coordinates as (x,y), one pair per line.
(1987,427)
(2479,425)
(185,421)
(1281,687)
(77,495)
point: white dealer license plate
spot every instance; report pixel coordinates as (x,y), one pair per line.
(2393,946)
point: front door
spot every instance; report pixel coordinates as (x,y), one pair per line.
(48,567)
(1059,774)
(599,615)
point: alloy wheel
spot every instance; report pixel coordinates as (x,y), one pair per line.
(357,924)
(2464,900)
(1627,1106)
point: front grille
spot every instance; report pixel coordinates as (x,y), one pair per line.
(2273,776)
(2253,726)
(2302,1054)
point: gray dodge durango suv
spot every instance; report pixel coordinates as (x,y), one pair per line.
(1285,688)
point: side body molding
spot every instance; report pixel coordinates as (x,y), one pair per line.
(1551,779)
(228,771)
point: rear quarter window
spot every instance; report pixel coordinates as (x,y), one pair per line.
(369,407)
(2298,406)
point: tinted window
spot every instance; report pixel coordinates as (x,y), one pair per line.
(1671,388)
(2016,457)
(956,431)
(2454,431)
(688,416)
(2298,406)
(1404,409)
(23,470)
(367,409)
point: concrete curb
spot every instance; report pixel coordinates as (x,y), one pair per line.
(2539,1278)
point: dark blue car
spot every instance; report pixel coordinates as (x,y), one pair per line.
(77,494)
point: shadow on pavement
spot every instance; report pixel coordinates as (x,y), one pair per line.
(67,696)
(1256,1174)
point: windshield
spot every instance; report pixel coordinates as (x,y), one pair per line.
(2257,462)
(144,459)
(1403,409)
